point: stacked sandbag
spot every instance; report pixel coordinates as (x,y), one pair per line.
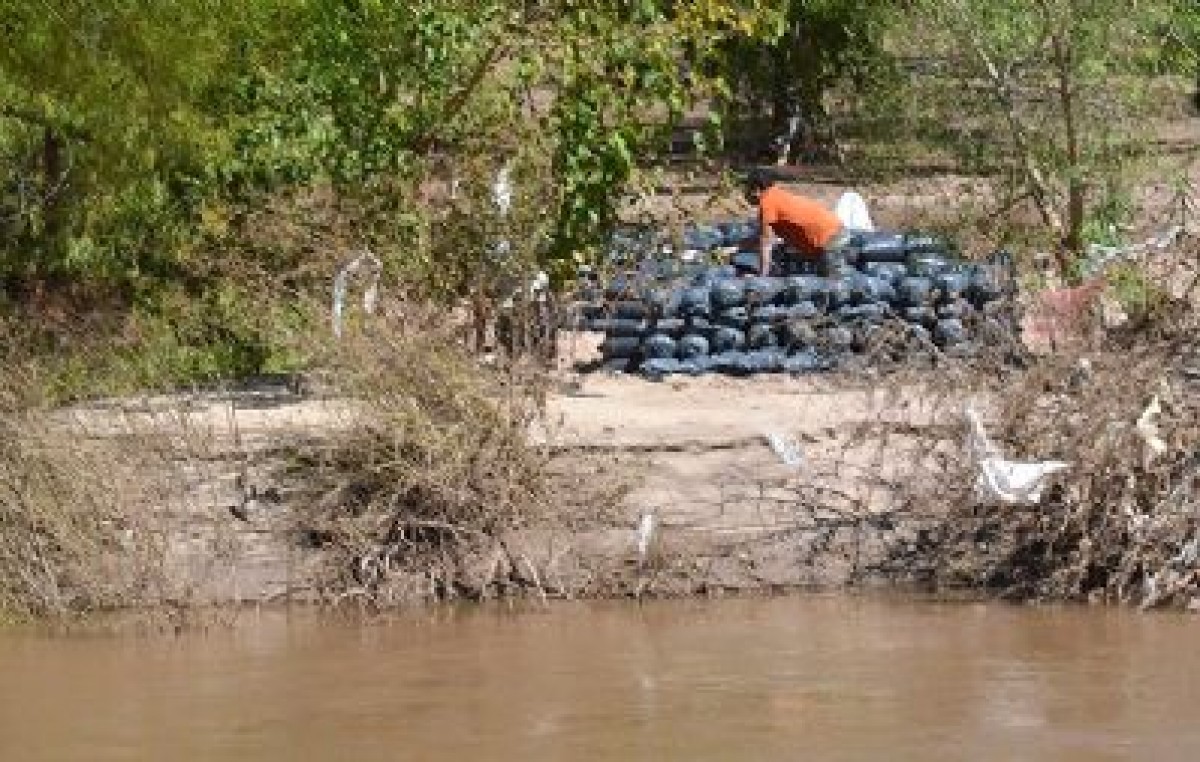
(670,311)
(717,321)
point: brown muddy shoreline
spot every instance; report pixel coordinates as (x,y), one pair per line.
(728,515)
(697,487)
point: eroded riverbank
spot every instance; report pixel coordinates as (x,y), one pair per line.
(701,458)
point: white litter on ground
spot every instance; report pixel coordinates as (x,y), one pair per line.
(645,534)
(1147,429)
(1005,480)
(787,449)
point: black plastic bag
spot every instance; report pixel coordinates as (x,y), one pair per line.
(807,361)
(867,290)
(949,333)
(919,315)
(770,314)
(875,312)
(694,302)
(599,325)
(879,247)
(848,313)
(914,291)
(804,311)
(702,237)
(620,347)
(616,365)
(630,310)
(738,318)
(985,284)
(673,327)
(691,346)
(761,291)
(837,293)
(636,328)
(738,232)
(658,346)
(695,366)
(715,274)
(726,339)
(731,361)
(956,310)
(927,265)
(760,337)
(763,361)
(656,301)
(952,285)
(593,311)
(887,271)
(657,368)
(745,263)
(728,294)
(806,288)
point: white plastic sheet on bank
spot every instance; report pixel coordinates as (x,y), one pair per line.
(999,479)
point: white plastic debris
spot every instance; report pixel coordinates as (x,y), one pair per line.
(1147,429)
(1189,553)
(851,209)
(502,190)
(787,449)
(1137,521)
(645,534)
(1005,480)
(1099,256)
(370,267)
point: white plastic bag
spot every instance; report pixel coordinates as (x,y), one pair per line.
(369,267)
(851,209)
(1002,480)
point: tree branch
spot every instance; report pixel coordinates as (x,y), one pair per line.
(1040,190)
(30,116)
(1063,55)
(459,100)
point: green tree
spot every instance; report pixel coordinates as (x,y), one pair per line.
(1057,83)
(101,124)
(808,48)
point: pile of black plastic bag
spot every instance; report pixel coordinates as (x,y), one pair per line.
(676,313)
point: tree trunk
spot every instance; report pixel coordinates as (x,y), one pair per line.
(1063,63)
(54,184)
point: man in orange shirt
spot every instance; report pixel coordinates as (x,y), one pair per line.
(801,222)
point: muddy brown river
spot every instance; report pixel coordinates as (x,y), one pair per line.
(787,679)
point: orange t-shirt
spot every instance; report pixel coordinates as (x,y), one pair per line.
(800,221)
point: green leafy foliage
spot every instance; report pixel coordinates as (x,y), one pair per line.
(792,63)
(140,142)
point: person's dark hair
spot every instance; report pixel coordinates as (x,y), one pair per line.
(758,180)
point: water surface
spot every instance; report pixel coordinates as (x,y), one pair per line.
(785,679)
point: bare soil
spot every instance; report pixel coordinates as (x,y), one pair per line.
(696,455)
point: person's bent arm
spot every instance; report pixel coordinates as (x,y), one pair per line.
(764,251)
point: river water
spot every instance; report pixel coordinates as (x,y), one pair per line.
(785,679)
